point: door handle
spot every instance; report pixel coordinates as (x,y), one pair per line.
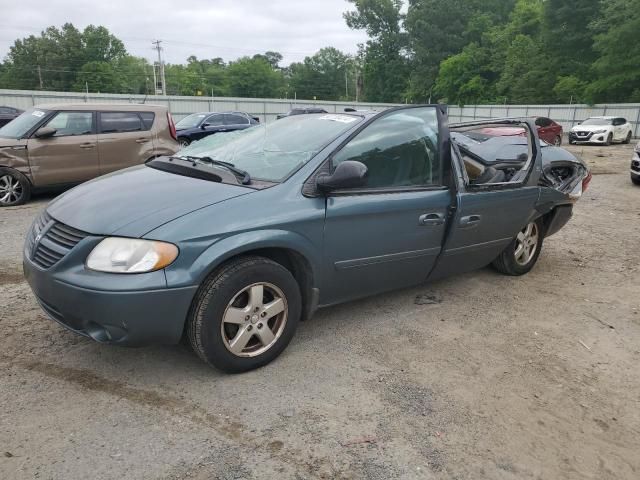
(87,145)
(429,219)
(470,221)
(142,140)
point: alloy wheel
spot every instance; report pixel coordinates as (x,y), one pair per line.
(254,319)
(526,244)
(10,189)
(558,141)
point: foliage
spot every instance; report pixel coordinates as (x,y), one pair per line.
(458,51)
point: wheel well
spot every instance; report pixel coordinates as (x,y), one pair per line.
(299,267)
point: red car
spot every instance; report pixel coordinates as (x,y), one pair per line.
(548,130)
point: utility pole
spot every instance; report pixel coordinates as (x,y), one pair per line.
(40,77)
(158,47)
(346,85)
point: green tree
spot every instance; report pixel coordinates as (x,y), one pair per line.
(254,77)
(439,29)
(463,78)
(384,63)
(327,75)
(570,89)
(617,69)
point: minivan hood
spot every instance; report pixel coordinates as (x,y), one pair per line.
(137,200)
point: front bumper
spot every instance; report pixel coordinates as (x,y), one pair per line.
(587,137)
(122,316)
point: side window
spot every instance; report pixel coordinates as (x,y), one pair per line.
(232,119)
(72,123)
(543,122)
(400,149)
(621,121)
(215,120)
(147,119)
(119,122)
(493,153)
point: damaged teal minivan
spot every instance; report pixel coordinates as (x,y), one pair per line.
(236,239)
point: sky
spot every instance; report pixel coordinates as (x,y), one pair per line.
(204,28)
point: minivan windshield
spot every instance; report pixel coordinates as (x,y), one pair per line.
(19,126)
(273,151)
(597,121)
(190,121)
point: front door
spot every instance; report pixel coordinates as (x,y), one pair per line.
(124,140)
(70,155)
(388,234)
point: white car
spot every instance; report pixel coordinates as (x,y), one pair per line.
(603,130)
(635,166)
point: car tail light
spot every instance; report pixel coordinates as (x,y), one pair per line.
(586,181)
(172,127)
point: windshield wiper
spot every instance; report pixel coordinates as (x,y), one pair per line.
(242,175)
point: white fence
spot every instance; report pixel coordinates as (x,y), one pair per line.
(265,109)
(268,109)
(566,115)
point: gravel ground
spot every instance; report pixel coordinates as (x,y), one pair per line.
(501,378)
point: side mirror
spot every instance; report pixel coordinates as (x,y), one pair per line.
(45,132)
(348,174)
(205,125)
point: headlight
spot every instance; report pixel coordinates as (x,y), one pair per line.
(600,131)
(130,255)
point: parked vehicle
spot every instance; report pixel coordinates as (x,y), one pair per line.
(548,130)
(237,238)
(602,130)
(199,125)
(301,111)
(7,114)
(52,146)
(635,165)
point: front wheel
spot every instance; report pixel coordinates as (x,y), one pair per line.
(184,142)
(635,180)
(558,141)
(522,253)
(245,314)
(628,139)
(15,188)
(609,140)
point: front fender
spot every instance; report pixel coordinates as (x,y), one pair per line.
(226,248)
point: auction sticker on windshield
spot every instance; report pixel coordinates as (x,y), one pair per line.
(37,113)
(339,118)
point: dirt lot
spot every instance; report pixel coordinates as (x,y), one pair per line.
(536,377)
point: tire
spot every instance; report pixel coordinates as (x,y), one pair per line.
(184,142)
(509,264)
(635,180)
(609,140)
(627,140)
(558,141)
(15,188)
(228,294)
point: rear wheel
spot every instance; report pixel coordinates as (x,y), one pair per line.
(15,188)
(628,139)
(558,141)
(184,142)
(245,314)
(522,253)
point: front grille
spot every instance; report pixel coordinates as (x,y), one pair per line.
(50,241)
